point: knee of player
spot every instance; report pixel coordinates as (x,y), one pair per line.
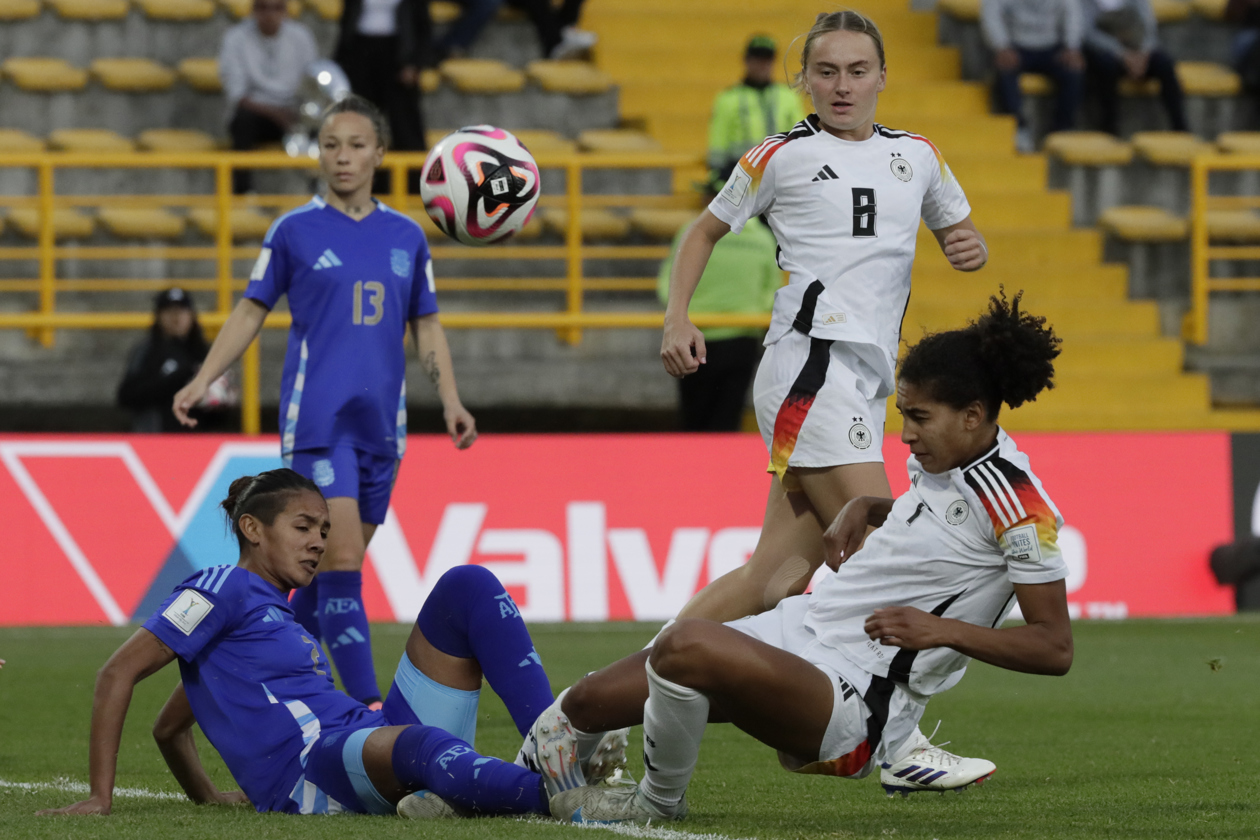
(467,578)
(683,653)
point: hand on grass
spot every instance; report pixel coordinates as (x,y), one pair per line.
(92,806)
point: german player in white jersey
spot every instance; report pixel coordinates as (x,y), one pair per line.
(838,680)
(844,197)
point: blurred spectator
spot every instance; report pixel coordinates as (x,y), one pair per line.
(162,363)
(261,63)
(558,34)
(1036,36)
(749,112)
(459,36)
(1246,15)
(742,276)
(382,45)
(1122,41)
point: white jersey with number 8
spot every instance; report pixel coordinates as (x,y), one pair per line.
(845,213)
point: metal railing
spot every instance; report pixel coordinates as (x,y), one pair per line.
(568,321)
(1203,252)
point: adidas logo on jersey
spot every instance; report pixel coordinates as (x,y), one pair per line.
(326,260)
(825,174)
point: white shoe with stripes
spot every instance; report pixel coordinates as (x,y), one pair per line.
(929,767)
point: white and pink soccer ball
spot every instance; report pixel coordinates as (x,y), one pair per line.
(479,185)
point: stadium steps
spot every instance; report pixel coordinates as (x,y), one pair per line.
(1117,370)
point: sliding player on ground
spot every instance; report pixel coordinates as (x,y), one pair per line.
(838,680)
(357,275)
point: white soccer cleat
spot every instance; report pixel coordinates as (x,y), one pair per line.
(425,805)
(930,767)
(612,803)
(553,751)
(609,759)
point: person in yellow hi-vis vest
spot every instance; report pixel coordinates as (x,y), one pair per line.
(747,113)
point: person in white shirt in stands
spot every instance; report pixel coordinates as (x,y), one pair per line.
(261,63)
(837,681)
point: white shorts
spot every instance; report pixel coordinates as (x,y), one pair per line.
(811,407)
(846,749)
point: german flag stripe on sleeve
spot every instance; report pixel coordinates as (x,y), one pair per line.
(1011,499)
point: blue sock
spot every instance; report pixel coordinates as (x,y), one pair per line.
(470,615)
(428,758)
(305,606)
(344,627)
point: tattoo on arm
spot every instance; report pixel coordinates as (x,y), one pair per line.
(430,365)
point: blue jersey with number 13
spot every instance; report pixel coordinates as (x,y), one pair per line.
(352,286)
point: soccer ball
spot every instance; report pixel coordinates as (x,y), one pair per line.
(479,185)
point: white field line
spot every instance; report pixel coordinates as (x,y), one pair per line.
(639,832)
(65,785)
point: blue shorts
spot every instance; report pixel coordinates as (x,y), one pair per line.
(343,471)
(336,780)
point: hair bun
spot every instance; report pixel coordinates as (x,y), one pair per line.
(1017,349)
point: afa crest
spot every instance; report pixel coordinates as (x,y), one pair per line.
(400,261)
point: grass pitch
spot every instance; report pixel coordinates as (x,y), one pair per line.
(1150,736)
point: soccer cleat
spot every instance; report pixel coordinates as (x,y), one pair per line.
(553,751)
(929,767)
(609,758)
(612,803)
(425,805)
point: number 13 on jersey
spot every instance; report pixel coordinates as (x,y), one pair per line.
(375,292)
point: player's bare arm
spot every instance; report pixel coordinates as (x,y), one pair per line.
(139,657)
(1043,645)
(682,345)
(963,245)
(435,358)
(845,534)
(240,328)
(173,733)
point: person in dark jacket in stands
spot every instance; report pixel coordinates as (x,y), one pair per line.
(382,45)
(1122,41)
(162,363)
(1245,14)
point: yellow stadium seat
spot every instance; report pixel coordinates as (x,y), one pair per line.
(1233,226)
(660,223)
(617,140)
(14,140)
(481,75)
(132,75)
(1143,224)
(1169,148)
(142,223)
(90,9)
(89,140)
(201,74)
(1239,142)
(1170,11)
(326,9)
(11,10)
(540,141)
(1035,84)
(964,10)
(246,222)
(444,12)
(68,223)
(175,140)
(1088,148)
(579,78)
(1210,9)
(430,80)
(44,75)
(1207,78)
(178,10)
(242,8)
(596,223)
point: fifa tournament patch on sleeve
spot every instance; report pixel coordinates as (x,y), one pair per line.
(260,265)
(736,187)
(1022,544)
(187,611)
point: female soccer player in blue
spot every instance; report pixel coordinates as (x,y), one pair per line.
(260,689)
(357,274)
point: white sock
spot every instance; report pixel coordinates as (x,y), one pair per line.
(674,718)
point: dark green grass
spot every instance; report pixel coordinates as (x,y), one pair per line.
(1142,739)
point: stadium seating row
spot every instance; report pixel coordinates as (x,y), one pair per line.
(192,10)
(1166,11)
(142,75)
